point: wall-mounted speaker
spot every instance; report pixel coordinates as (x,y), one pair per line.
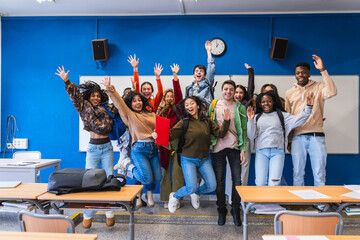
(100,49)
(279,48)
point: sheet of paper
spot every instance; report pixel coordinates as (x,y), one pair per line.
(353,187)
(312,238)
(274,238)
(9,184)
(308,194)
(292,237)
(353,194)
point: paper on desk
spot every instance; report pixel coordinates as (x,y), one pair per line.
(353,194)
(308,194)
(312,238)
(292,237)
(353,187)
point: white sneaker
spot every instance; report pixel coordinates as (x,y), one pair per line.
(149,199)
(195,200)
(122,164)
(166,205)
(173,203)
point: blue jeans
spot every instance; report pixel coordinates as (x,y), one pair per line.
(315,147)
(269,164)
(102,153)
(96,154)
(190,167)
(147,170)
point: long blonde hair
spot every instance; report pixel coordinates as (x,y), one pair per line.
(164,107)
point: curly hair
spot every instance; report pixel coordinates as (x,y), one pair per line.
(146,106)
(277,103)
(201,111)
(90,87)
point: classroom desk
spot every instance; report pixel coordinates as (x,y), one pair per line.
(25,192)
(45,236)
(281,195)
(25,173)
(330,237)
(345,201)
(125,197)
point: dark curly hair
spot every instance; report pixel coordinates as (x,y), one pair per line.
(146,106)
(89,87)
(277,103)
(201,111)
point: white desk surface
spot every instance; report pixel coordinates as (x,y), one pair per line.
(42,162)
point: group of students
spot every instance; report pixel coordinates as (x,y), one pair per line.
(230,125)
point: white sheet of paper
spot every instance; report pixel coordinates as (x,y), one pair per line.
(297,237)
(9,184)
(308,194)
(353,187)
(353,194)
(273,238)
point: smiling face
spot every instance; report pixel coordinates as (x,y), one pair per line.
(239,94)
(146,90)
(95,99)
(267,104)
(199,74)
(228,92)
(169,98)
(302,75)
(191,107)
(136,103)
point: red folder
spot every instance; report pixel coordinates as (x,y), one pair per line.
(162,128)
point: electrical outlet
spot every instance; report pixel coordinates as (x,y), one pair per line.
(20,143)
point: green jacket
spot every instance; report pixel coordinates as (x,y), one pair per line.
(240,123)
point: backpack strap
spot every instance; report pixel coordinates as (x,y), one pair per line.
(108,111)
(213,105)
(282,121)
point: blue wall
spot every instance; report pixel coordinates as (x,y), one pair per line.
(32,49)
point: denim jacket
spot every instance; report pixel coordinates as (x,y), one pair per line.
(204,87)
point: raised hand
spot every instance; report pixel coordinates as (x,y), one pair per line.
(106,81)
(250,112)
(227,114)
(175,69)
(318,63)
(208,46)
(310,99)
(157,70)
(61,73)
(132,60)
(247,66)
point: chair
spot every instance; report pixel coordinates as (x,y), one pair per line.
(31,222)
(308,223)
(29,155)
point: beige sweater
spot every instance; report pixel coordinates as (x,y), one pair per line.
(295,101)
(141,124)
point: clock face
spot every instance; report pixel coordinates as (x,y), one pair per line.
(218,46)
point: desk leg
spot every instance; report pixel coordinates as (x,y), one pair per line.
(344,205)
(131,222)
(245,221)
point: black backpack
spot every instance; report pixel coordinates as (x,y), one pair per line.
(72,180)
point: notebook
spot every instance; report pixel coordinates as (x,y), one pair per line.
(9,184)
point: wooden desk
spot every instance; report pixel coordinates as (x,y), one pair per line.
(281,195)
(25,173)
(345,201)
(45,236)
(125,197)
(330,237)
(25,192)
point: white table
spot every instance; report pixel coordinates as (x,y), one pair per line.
(25,173)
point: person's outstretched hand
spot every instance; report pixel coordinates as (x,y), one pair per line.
(61,73)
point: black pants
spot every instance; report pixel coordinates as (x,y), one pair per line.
(219,159)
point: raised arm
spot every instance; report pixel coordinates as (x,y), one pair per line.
(251,81)
(119,103)
(157,70)
(72,90)
(330,89)
(210,72)
(135,81)
(176,84)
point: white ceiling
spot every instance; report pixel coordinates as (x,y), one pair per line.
(173,7)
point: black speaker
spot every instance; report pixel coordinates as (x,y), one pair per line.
(279,48)
(100,49)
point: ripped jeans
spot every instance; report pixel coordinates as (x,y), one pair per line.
(269,164)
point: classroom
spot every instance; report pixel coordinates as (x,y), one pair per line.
(36,41)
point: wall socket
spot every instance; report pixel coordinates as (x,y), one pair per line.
(18,143)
